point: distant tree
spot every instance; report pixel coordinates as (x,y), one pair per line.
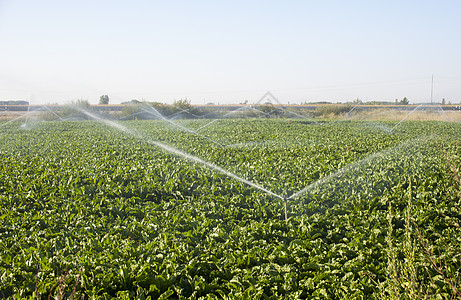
(182,103)
(104,99)
(404,101)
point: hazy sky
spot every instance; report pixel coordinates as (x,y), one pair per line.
(229,51)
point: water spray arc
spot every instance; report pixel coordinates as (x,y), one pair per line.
(444,112)
(351,110)
(12,120)
(205,116)
(187,111)
(174,151)
(298,115)
(131,115)
(27,117)
(215,120)
(198,160)
(177,152)
(404,118)
(28,113)
(357,164)
(53,112)
(158,114)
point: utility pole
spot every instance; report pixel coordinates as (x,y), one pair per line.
(432,88)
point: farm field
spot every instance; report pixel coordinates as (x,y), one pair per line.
(139,209)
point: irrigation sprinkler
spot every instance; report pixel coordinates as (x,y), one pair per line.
(27,117)
(285,204)
(187,156)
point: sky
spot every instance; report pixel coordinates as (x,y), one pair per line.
(230,51)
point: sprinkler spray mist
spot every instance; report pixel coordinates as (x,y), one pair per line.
(156,113)
(177,152)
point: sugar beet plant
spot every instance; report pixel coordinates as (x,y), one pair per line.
(92,211)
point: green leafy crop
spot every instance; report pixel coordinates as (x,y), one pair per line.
(89,210)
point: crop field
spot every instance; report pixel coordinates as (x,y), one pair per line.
(189,209)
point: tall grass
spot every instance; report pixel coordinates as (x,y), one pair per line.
(412,272)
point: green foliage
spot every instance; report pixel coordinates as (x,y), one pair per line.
(81,103)
(87,210)
(73,110)
(104,99)
(182,103)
